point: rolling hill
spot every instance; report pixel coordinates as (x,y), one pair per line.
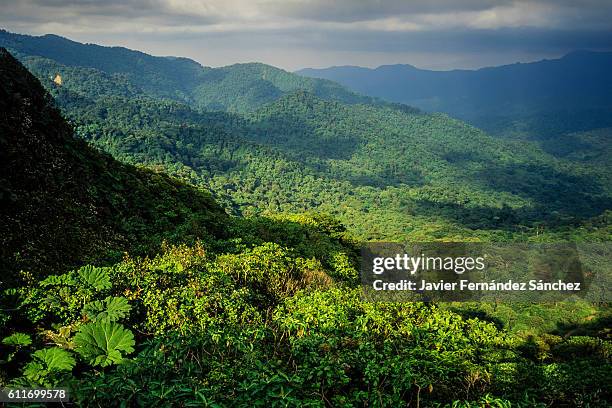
(239,88)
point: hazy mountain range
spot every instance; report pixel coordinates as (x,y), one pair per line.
(576,87)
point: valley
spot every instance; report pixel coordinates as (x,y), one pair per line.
(426,171)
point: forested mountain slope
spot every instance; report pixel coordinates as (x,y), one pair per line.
(64,203)
(387,171)
(240,87)
(383,172)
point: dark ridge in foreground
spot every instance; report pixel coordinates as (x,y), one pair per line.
(63,202)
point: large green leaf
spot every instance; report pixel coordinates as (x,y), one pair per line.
(98,278)
(55,359)
(110,309)
(47,364)
(102,342)
(66,279)
(17,340)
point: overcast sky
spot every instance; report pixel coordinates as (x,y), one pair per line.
(293,34)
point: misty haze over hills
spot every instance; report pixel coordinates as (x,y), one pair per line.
(577,85)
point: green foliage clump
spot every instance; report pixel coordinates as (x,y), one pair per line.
(255,321)
(17,340)
(48,365)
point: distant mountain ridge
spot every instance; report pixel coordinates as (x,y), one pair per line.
(174,74)
(177,78)
(578,82)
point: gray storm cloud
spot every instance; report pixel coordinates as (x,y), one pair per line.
(298,33)
(361,10)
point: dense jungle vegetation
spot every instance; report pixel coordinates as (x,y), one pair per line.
(386,171)
(228,283)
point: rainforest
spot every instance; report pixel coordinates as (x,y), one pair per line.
(178,235)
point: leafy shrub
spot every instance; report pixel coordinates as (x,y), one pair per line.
(97,278)
(47,366)
(280,329)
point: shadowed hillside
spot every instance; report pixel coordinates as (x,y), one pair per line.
(65,203)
